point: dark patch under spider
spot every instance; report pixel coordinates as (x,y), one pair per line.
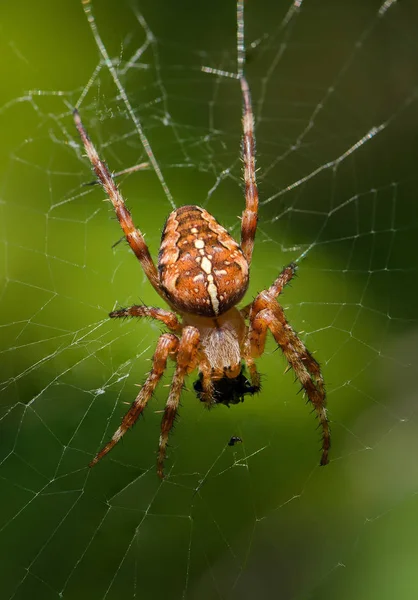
(226,390)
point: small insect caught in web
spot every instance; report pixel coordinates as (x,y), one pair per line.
(234,440)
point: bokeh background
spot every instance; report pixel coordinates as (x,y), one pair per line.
(259,519)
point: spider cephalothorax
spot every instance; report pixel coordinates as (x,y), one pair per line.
(202,275)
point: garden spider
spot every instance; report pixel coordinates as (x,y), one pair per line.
(202,275)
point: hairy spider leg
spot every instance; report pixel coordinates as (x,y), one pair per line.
(167,346)
(186,359)
(268,314)
(133,235)
(169,319)
(283,279)
(276,288)
(250,214)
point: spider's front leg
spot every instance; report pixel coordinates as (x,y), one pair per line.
(266,314)
(186,359)
(250,214)
(133,235)
(167,346)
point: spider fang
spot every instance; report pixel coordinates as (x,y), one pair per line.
(227,390)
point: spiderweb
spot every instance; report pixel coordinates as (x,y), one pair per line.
(334,88)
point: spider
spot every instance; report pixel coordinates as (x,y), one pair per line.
(202,274)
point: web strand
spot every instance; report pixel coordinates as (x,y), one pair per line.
(144,140)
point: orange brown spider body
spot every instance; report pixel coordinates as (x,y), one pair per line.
(202,275)
(202,269)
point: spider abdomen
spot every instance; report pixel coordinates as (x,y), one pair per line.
(202,268)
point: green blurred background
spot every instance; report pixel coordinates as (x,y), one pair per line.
(260,519)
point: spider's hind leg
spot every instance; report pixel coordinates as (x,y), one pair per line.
(266,314)
(307,371)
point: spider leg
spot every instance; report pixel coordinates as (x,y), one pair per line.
(283,279)
(159,314)
(276,288)
(186,362)
(250,214)
(268,314)
(166,346)
(308,372)
(133,235)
